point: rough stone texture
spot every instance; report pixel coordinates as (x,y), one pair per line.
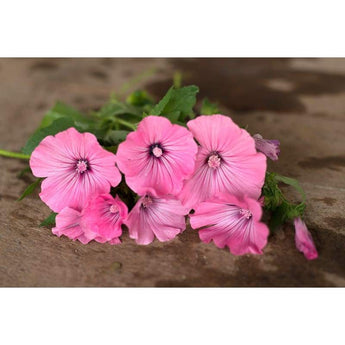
(299,101)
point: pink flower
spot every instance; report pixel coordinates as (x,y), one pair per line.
(75,166)
(157,155)
(268,147)
(227,161)
(304,241)
(69,223)
(231,222)
(153,216)
(103,217)
(101,221)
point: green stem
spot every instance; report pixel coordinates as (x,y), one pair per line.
(14,154)
(126,123)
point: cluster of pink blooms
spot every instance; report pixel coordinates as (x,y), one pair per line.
(214,167)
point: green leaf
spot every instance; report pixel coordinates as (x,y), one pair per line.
(55,127)
(30,189)
(291,182)
(177,104)
(139,98)
(158,109)
(284,212)
(271,192)
(63,110)
(114,137)
(50,220)
(116,108)
(281,209)
(208,108)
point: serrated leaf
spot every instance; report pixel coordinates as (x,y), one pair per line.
(55,127)
(158,109)
(177,103)
(30,189)
(50,220)
(208,108)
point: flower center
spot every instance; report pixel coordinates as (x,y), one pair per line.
(156,150)
(82,166)
(146,201)
(114,209)
(245,213)
(213,161)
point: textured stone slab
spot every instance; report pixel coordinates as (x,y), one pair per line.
(299,101)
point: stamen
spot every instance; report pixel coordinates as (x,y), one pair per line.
(245,213)
(213,161)
(114,209)
(82,166)
(156,150)
(146,201)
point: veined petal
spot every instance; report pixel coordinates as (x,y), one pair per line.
(75,167)
(227,161)
(153,216)
(230,222)
(157,155)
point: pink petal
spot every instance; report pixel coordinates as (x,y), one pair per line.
(241,170)
(304,240)
(163,218)
(68,224)
(214,132)
(165,173)
(103,217)
(57,157)
(71,189)
(49,158)
(227,226)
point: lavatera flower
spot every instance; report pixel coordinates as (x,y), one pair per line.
(232,222)
(75,166)
(100,220)
(157,155)
(227,161)
(152,216)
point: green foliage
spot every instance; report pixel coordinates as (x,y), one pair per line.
(30,189)
(177,104)
(114,137)
(116,108)
(50,220)
(139,98)
(208,108)
(61,110)
(280,208)
(291,182)
(55,127)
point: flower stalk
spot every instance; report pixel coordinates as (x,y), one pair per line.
(11,154)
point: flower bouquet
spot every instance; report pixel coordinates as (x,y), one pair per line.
(153,167)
